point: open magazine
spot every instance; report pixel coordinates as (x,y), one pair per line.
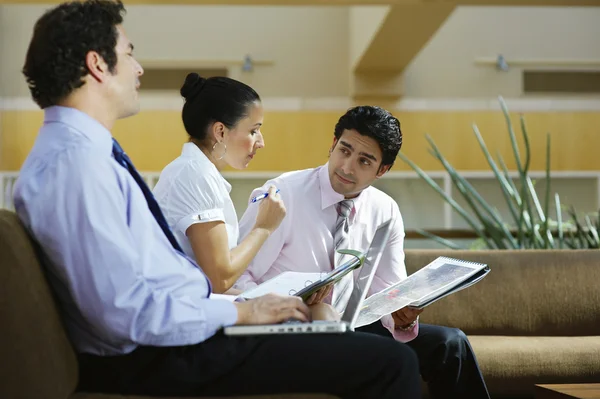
(305,284)
(440,278)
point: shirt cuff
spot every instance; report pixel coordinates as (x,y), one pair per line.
(400,335)
(244,283)
(223,312)
(210,215)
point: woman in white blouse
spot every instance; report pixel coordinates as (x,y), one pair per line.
(223,118)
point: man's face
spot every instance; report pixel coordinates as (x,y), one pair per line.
(354,163)
(124,83)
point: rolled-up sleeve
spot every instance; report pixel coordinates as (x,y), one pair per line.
(194,198)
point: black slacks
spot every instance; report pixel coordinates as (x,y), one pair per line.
(349,365)
(446,360)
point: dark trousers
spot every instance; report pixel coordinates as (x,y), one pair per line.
(349,365)
(446,359)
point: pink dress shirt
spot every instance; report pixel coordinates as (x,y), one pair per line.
(304,240)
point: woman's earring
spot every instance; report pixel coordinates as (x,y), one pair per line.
(224,151)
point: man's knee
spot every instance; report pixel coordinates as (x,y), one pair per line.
(455,340)
(401,354)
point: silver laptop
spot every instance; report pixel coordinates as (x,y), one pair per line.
(359,292)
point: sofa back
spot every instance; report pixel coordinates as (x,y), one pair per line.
(37,358)
(526,293)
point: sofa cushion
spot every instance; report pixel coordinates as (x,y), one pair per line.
(37,358)
(527,293)
(513,365)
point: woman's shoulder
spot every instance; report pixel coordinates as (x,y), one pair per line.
(191,177)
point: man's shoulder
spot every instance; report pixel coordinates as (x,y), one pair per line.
(296,178)
(379,197)
(52,160)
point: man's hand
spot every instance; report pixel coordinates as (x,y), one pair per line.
(405,316)
(271,309)
(318,296)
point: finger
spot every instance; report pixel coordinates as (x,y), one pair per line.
(415,313)
(321,294)
(303,308)
(273,192)
(316,298)
(402,318)
(296,314)
(398,319)
(407,312)
(311,299)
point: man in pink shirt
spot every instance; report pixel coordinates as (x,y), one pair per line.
(335,206)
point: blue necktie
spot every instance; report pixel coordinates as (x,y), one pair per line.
(124,160)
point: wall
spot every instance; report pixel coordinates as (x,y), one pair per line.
(365,21)
(445,67)
(306,89)
(308,45)
(313,48)
(300,139)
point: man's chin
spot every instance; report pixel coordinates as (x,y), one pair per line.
(343,189)
(130,112)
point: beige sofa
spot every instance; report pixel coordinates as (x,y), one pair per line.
(37,360)
(534,319)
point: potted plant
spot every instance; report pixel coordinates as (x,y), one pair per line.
(531,226)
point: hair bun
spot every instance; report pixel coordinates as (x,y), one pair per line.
(192,86)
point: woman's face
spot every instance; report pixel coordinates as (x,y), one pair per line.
(245,138)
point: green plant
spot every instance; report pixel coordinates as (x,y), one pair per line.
(531,226)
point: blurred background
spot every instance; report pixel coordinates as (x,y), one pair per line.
(440,67)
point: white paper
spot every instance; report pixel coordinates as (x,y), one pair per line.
(439,276)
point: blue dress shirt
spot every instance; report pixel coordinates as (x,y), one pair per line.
(119,281)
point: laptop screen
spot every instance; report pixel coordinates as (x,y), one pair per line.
(366,273)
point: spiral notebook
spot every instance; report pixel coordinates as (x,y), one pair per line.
(442,277)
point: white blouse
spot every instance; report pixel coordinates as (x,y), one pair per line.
(191,190)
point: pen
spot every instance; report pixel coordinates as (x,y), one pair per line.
(262,196)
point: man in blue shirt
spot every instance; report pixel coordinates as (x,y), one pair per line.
(136,309)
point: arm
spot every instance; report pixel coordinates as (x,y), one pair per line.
(195,201)
(211,249)
(390,271)
(128,287)
(270,250)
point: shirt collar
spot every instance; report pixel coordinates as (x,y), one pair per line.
(191,150)
(330,197)
(81,122)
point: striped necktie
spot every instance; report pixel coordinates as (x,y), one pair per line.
(342,289)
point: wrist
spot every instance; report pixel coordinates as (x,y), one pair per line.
(262,231)
(408,326)
(242,314)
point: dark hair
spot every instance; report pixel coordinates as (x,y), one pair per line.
(377,123)
(62,37)
(216,99)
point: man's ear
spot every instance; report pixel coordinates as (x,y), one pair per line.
(383,169)
(96,66)
(335,140)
